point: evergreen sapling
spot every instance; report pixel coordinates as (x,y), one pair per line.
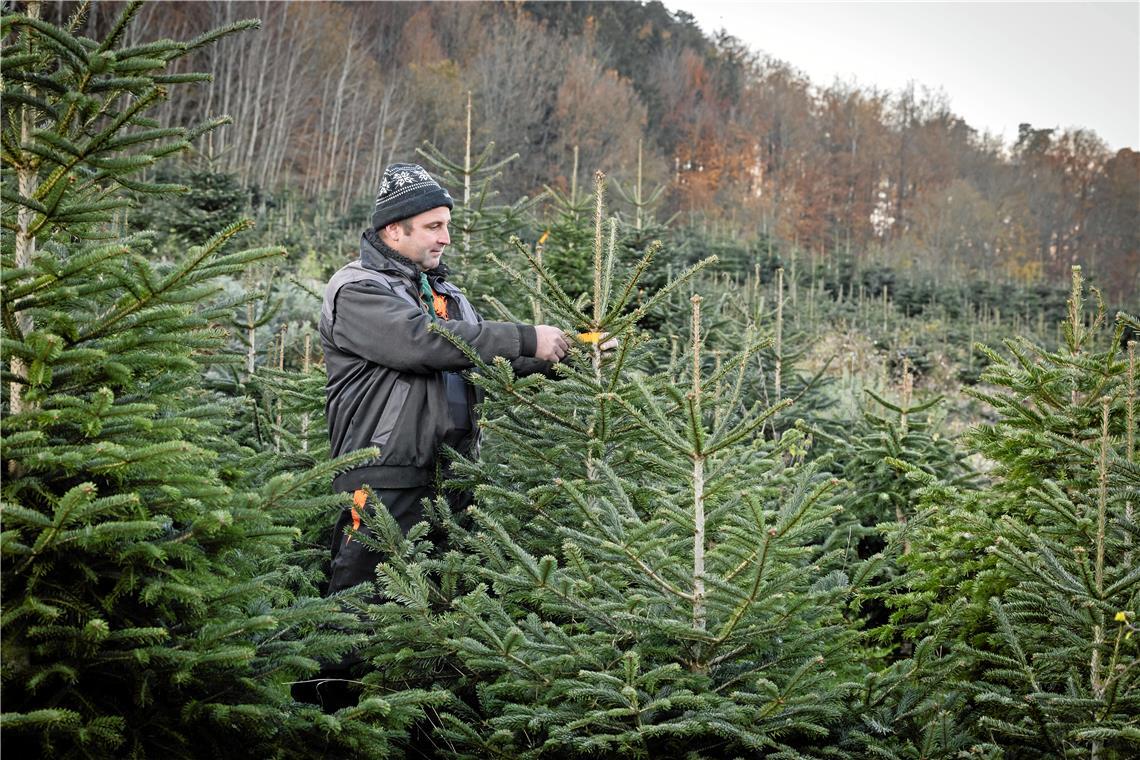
(641,575)
(151,606)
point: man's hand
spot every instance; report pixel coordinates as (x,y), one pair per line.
(552,346)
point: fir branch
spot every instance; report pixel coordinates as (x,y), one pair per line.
(745,428)
(57,39)
(212,36)
(663,434)
(620,324)
(556,297)
(577,498)
(627,288)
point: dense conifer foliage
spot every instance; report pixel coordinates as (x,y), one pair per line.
(153,605)
(808,507)
(648,580)
(1057,675)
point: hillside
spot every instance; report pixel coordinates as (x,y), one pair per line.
(324,94)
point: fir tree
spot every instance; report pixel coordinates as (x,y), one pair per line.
(567,243)
(1047,608)
(912,709)
(152,604)
(642,574)
(882,498)
(644,227)
(481,226)
(1063,678)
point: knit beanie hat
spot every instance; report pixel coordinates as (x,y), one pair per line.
(406,190)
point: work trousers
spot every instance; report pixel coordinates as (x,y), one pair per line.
(354,563)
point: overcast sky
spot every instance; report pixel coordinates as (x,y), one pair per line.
(999,63)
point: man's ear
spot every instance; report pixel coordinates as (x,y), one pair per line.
(391,232)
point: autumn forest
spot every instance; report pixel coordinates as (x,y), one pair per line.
(325,94)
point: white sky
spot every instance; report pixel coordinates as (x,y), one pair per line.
(999,63)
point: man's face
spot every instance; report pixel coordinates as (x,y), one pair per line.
(424,240)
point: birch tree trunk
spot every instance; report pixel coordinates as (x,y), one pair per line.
(338,111)
(285,103)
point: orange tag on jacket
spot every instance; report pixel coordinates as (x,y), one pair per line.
(359,499)
(440,304)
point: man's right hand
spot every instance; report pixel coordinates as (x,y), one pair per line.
(552,345)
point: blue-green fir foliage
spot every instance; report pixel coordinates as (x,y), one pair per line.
(642,573)
(1038,572)
(152,606)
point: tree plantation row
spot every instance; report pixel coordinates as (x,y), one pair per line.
(811,506)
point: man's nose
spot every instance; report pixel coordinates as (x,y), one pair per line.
(445,237)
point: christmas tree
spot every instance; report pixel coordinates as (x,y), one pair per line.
(480,226)
(1062,674)
(642,574)
(152,604)
(1035,577)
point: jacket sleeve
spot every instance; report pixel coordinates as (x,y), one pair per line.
(378,325)
(525,365)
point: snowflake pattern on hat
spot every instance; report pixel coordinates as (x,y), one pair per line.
(405,190)
(395,179)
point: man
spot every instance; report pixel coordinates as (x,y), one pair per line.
(395,384)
